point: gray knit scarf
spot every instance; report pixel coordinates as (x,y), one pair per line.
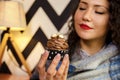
(95,67)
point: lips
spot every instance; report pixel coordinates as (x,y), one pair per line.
(85,27)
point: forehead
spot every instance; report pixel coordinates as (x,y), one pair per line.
(103,3)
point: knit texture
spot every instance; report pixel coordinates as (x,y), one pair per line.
(96,67)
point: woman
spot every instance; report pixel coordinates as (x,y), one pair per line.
(94,42)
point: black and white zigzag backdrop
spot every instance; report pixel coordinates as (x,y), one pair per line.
(44,18)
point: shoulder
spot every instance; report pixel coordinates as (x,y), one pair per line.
(115,67)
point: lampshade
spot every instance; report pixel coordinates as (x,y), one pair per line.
(12,15)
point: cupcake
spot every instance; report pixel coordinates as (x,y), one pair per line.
(57,44)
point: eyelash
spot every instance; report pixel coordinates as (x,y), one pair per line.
(100,12)
(95,11)
(82,8)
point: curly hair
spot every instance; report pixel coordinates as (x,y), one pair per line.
(113,34)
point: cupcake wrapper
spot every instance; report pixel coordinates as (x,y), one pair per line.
(53,53)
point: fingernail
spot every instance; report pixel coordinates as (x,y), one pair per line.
(66,56)
(46,53)
(57,56)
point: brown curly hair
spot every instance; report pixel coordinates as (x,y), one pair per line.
(114,23)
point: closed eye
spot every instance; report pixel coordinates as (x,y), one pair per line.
(82,8)
(99,12)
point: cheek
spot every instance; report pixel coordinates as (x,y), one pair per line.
(102,26)
(77,16)
(102,22)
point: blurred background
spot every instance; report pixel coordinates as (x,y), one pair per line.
(43,18)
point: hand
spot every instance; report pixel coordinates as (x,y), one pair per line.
(52,73)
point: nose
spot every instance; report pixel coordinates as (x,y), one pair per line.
(87,15)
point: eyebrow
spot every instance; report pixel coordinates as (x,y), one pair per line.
(101,6)
(83,2)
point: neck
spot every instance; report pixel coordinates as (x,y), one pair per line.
(92,46)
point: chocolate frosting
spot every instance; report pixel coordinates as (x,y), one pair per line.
(57,43)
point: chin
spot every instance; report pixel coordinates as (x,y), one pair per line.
(86,37)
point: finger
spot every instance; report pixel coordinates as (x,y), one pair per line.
(52,68)
(50,76)
(66,69)
(62,70)
(41,64)
(43,60)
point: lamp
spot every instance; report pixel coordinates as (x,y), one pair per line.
(12,18)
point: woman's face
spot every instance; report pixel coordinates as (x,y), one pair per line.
(91,19)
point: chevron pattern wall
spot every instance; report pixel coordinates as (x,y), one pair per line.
(44,18)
